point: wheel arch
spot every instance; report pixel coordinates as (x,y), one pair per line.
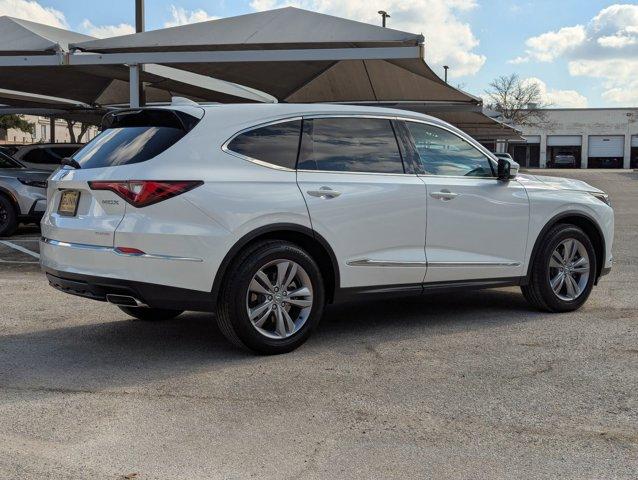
(305,237)
(587,224)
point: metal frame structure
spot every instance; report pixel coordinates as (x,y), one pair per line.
(134,60)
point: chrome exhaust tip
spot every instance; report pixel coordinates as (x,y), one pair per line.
(124,301)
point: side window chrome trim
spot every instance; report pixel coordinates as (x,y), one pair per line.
(471,142)
(256,161)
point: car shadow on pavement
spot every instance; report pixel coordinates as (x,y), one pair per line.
(128,353)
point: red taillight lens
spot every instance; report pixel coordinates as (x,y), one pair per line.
(142,193)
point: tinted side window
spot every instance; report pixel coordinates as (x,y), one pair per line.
(34,156)
(444,153)
(276,144)
(349,145)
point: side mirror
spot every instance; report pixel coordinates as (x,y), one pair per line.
(507,169)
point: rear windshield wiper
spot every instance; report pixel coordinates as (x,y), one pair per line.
(71,163)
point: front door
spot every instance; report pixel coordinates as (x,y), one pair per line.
(476,224)
(362,202)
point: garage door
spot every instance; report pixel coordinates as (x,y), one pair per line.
(634,141)
(532,138)
(608,146)
(564,140)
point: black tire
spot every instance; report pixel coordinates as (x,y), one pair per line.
(232,315)
(539,292)
(150,314)
(8,217)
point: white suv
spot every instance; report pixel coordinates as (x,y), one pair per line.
(266,213)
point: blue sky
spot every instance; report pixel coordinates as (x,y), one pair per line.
(583,53)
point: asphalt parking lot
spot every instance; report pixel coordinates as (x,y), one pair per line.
(471,385)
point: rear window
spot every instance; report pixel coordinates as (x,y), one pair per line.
(276,144)
(50,155)
(134,136)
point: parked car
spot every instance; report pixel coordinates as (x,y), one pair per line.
(46,156)
(22,194)
(564,161)
(266,213)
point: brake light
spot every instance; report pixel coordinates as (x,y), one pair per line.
(142,193)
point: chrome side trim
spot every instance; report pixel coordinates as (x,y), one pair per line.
(474,264)
(77,246)
(366,262)
(101,248)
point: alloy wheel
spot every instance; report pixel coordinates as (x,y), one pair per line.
(279,299)
(569,269)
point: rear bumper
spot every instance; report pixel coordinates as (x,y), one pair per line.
(153,295)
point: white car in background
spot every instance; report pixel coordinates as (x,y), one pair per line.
(266,213)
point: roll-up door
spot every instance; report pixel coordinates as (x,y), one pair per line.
(564,140)
(606,146)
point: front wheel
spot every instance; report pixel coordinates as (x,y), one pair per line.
(563,272)
(271,299)
(150,314)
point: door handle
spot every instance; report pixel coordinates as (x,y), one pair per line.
(324,192)
(444,195)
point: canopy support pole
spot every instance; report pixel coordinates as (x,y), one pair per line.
(52,129)
(134,86)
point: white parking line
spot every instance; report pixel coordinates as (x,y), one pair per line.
(19,248)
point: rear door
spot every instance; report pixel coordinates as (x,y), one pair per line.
(128,137)
(362,200)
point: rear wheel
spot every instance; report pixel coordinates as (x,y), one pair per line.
(150,314)
(271,299)
(8,217)
(563,272)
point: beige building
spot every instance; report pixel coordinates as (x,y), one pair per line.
(42,132)
(593,137)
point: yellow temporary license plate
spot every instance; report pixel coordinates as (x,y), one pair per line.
(69,203)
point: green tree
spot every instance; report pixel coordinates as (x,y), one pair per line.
(17,122)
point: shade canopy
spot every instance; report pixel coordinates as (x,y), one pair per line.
(292,54)
(94,84)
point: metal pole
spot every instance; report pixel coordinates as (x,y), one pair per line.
(140,27)
(445,67)
(134,82)
(384,15)
(52,128)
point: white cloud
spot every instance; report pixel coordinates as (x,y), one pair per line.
(605,49)
(181,16)
(559,98)
(106,31)
(550,45)
(33,11)
(518,60)
(448,40)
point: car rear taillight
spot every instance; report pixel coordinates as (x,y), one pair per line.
(142,193)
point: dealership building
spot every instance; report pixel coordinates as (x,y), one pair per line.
(580,138)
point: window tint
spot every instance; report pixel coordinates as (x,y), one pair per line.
(444,153)
(276,144)
(349,145)
(134,136)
